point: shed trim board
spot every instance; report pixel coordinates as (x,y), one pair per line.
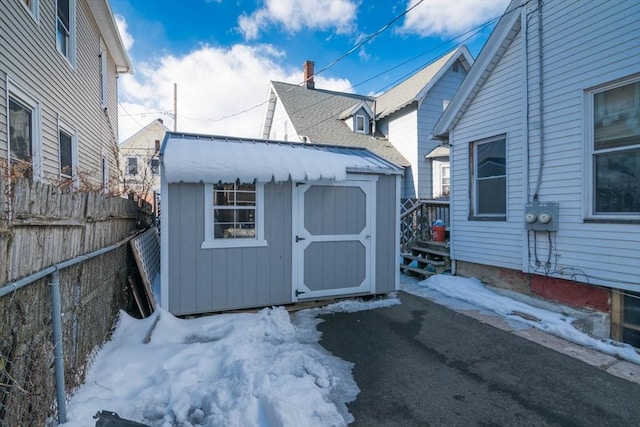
(198,276)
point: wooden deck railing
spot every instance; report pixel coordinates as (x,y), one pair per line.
(416,218)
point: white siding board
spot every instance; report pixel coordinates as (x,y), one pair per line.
(585,44)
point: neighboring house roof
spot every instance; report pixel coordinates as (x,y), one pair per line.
(315,114)
(416,87)
(133,139)
(210,158)
(500,39)
(438,152)
(349,112)
(103,15)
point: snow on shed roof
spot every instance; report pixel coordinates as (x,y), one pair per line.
(205,158)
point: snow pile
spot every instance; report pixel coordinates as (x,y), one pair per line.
(257,369)
(195,160)
(451,291)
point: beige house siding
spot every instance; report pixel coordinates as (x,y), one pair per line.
(66,92)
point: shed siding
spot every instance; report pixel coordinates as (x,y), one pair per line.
(584,45)
(386,239)
(204,280)
(29,59)
(428,114)
(494,111)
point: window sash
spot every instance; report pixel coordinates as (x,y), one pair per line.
(21,123)
(360,124)
(490,177)
(615,162)
(234,208)
(132,166)
(66,154)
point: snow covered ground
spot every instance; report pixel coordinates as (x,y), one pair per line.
(260,369)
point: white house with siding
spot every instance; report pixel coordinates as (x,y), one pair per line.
(59,62)
(545,157)
(396,125)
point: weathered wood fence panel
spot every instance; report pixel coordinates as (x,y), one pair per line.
(41,226)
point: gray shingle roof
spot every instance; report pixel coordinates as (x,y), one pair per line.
(315,113)
(407,91)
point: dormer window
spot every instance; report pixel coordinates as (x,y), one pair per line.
(361,124)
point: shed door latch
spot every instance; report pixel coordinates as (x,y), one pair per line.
(298,238)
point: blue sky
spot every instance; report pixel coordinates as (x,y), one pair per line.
(222,53)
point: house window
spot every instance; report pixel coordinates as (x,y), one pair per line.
(65,28)
(234,215)
(360,124)
(489,178)
(24,133)
(625,317)
(132,166)
(154,164)
(445,181)
(32,5)
(615,162)
(67,161)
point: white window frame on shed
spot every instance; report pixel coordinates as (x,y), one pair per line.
(615,150)
(67,130)
(33,6)
(66,31)
(476,181)
(28,102)
(211,242)
(360,119)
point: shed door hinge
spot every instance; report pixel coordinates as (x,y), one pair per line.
(298,184)
(298,293)
(298,238)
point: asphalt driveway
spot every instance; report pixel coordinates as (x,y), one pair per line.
(421,364)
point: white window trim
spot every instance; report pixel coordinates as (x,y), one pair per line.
(209,242)
(444,165)
(62,126)
(16,92)
(70,57)
(34,10)
(589,166)
(474,186)
(364,123)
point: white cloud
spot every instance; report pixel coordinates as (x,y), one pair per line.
(127,40)
(295,15)
(213,83)
(450,18)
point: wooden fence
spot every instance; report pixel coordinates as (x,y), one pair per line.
(40,226)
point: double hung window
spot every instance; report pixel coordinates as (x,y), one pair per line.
(615,147)
(489,178)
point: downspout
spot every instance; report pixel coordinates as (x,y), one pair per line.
(540,102)
(524,31)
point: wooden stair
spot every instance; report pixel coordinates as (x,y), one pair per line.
(427,257)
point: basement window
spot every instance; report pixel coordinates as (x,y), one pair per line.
(625,317)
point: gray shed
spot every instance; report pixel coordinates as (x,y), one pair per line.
(251,223)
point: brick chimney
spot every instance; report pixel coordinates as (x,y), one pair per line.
(308,75)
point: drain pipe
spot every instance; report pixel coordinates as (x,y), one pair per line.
(58,354)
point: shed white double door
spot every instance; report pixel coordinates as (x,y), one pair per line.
(333,240)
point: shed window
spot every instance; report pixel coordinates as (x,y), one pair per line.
(615,163)
(234,215)
(489,178)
